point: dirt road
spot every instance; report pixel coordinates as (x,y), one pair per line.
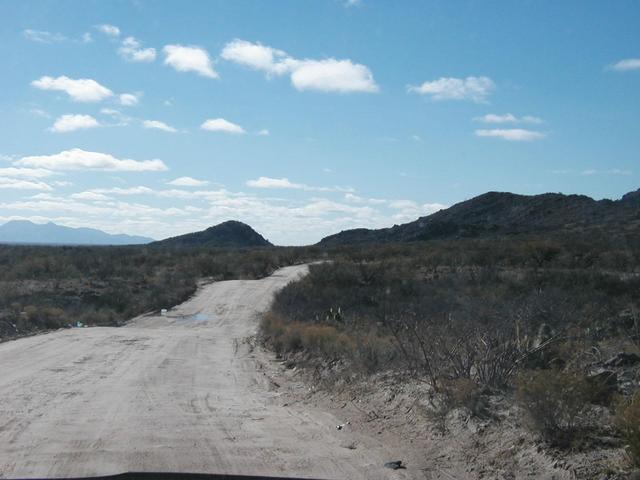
(176,393)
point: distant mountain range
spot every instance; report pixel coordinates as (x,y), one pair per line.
(227,234)
(489,215)
(24,231)
(498,213)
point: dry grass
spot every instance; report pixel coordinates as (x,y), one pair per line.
(628,421)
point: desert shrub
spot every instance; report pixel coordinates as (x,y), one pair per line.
(554,402)
(365,352)
(373,353)
(473,309)
(42,317)
(282,337)
(627,420)
(327,341)
(463,393)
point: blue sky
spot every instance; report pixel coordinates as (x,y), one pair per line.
(303,118)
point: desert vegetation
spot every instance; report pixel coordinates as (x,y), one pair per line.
(43,288)
(550,325)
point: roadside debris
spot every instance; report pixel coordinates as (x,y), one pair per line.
(395,465)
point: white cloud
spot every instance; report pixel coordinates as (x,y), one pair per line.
(187,182)
(38,112)
(77,159)
(221,125)
(507,118)
(284,183)
(139,190)
(352,3)
(267,182)
(531,119)
(350,197)
(626,65)
(87,38)
(43,36)
(104,210)
(189,59)
(129,99)
(121,119)
(327,75)
(257,56)
(80,90)
(511,134)
(109,30)
(408,210)
(264,132)
(476,89)
(92,196)
(18,184)
(131,50)
(25,172)
(613,171)
(283,221)
(69,123)
(333,75)
(158,125)
(353,198)
(62,183)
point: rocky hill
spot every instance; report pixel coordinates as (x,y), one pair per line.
(499,213)
(227,234)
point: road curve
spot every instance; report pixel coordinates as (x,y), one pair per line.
(179,393)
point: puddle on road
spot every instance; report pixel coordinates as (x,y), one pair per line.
(198,317)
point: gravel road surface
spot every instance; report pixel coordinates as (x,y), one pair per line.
(182,393)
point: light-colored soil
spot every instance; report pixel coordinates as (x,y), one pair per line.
(183,392)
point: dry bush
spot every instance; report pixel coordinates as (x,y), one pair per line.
(373,353)
(459,309)
(464,393)
(554,402)
(281,336)
(326,340)
(290,337)
(628,421)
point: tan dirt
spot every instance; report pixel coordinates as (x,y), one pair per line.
(183,392)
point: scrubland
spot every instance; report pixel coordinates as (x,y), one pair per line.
(544,331)
(44,288)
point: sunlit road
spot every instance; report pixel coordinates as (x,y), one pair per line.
(175,393)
